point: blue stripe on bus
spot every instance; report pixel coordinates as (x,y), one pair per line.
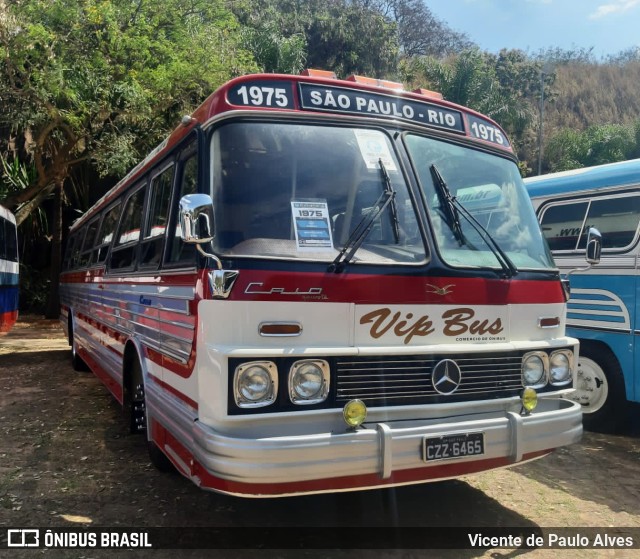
(590,297)
(588,307)
(595,317)
(8,299)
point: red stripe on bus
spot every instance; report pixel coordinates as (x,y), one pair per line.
(260,285)
(112,385)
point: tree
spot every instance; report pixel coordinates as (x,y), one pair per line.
(97,82)
(346,36)
(472,79)
(420,32)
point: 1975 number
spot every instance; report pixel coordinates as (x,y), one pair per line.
(487,132)
(263,96)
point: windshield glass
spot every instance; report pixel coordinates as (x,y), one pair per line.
(490,188)
(299,191)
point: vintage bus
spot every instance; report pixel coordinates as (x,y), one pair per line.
(603,307)
(9,270)
(319,285)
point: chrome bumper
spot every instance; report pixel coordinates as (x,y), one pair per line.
(383,448)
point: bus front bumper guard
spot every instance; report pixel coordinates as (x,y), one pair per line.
(385,448)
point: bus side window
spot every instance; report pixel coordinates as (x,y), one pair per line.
(105,235)
(180,252)
(615,218)
(89,240)
(74,261)
(561,224)
(158,214)
(124,252)
(66,263)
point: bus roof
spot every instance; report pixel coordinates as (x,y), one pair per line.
(315,92)
(623,173)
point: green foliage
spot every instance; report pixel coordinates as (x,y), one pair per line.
(346,36)
(105,80)
(571,149)
(482,82)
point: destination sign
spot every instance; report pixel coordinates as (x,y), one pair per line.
(279,94)
(340,100)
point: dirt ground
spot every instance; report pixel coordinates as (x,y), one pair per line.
(66,460)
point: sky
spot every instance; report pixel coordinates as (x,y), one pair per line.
(609,26)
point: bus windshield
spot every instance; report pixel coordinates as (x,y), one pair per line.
(289,190)
(490,189)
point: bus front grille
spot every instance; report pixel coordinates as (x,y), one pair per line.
(405,380)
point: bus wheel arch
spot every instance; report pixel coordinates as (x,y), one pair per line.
(600,387)
(135,405)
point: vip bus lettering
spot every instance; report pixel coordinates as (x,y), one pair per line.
(456,323)
(423,326)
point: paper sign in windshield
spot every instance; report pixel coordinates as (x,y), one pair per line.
(311,223)
(374,148)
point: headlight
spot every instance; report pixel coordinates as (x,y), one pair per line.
(255,384)
(534,369)
(560,367)
(309,381)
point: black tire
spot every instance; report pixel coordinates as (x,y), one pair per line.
(136,414)
(600,390)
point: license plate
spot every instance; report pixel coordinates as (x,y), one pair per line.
(449,447)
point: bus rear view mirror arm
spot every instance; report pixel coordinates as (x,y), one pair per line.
(197,226)
(594,246)
(197,223)
(594,249)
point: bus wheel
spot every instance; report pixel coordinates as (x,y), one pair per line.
(137,418)
(600,390)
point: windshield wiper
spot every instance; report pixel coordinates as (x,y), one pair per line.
(456,208)
(395,224)
(363,228)
(448,208)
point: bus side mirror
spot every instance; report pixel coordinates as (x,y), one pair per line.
(594,246)
(197,224)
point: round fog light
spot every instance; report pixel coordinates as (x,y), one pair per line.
(529,399)
(354,413)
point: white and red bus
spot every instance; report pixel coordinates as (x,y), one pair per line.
(320,285)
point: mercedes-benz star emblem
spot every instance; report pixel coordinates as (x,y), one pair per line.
(446,377)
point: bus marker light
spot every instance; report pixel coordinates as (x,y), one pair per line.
(529,399)
(428,93)
(549,322)
(375,82)
(280,329)
(354,413)
(312,73)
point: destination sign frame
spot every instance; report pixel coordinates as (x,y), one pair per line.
(327,98)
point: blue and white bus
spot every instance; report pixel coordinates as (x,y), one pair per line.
(604,308)
(8,270)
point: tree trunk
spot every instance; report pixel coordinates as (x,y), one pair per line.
(53,305)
